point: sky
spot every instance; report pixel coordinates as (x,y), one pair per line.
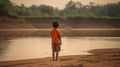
(60,4)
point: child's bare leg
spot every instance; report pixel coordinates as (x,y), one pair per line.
(53,55)
(57,54)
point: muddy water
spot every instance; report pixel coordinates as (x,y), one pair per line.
(39,47)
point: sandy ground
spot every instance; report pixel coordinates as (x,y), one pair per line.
(99,58)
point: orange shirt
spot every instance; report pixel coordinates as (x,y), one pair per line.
(55,34)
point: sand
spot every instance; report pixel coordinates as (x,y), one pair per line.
(98,58)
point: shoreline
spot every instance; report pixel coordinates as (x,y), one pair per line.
(100,57)
(81,32)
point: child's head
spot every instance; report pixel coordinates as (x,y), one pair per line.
(55,24)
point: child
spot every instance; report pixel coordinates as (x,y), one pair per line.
(56,40)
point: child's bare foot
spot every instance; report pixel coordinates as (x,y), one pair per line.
(52,60)
(57,60)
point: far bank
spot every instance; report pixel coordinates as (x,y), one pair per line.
(69,23)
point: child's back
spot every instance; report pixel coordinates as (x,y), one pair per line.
(55,34)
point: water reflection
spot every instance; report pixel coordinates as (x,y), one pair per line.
(4,44)
(38,47)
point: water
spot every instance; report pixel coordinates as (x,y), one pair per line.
(39,47)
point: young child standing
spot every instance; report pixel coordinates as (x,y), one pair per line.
(56,41)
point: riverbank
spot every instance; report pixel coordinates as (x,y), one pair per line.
(99,58)
(87,27)
(81,32)
(69,23)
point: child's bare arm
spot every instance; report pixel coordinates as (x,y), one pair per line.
(60,40)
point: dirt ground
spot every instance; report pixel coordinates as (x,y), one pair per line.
(105,32)
(99,58)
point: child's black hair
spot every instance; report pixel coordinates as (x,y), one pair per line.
(55,24)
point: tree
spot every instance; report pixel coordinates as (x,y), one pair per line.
(71,5)
(79,5)
(48,10)
(114,9)
(5,7)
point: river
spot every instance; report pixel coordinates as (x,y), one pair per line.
(39,47)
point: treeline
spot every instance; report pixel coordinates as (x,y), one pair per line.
(72,9)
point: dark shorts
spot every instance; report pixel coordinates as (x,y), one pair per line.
(56,47)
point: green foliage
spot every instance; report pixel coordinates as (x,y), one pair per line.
(71,5)
(72,9)
(5,6)
(46,10)
(77,9)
